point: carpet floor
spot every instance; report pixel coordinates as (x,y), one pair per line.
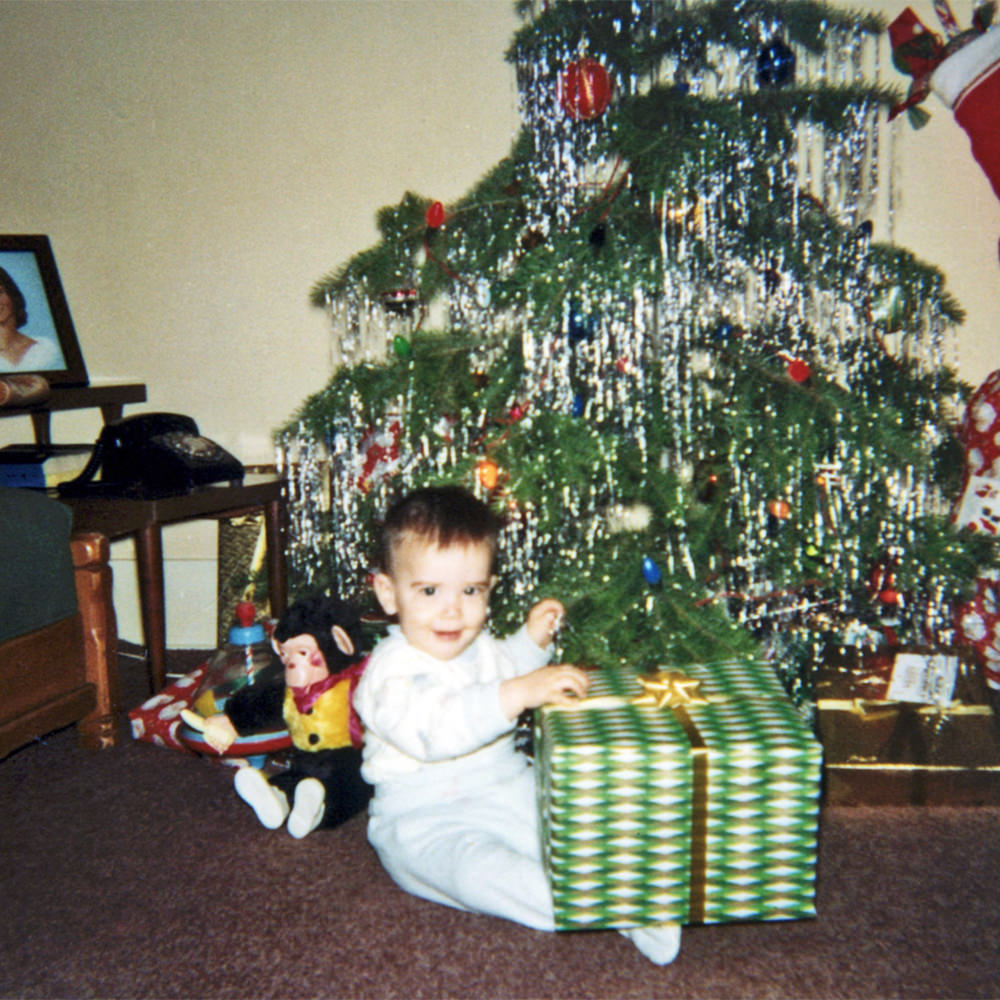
(137,872)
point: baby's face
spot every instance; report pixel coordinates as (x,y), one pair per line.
(441,595)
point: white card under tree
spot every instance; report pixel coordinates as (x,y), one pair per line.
(927,679)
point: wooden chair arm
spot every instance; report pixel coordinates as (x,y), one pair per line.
(91,553)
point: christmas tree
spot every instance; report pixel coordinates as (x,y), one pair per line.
(661,337)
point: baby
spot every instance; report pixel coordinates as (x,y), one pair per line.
(454,817)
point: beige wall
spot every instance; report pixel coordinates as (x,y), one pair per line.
(198,165)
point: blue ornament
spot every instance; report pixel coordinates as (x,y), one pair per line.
(579,405)
(579,326)
(775,64)
(724,331)
(650,571)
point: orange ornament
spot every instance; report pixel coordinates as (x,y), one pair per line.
(488,474)
(780,509)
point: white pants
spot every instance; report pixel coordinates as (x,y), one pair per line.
(475,846)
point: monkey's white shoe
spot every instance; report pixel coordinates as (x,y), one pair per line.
(269,803)
(310,804)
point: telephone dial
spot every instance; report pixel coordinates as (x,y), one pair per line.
(153,454)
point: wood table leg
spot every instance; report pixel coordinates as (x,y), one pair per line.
(41,424)
(149,562)
(274,536)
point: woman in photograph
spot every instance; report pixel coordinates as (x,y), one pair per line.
(18,351)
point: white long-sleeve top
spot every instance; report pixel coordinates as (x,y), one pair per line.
(427,719)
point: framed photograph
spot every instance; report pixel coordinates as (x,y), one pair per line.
(36,331)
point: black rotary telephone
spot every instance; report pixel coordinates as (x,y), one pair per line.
(153,454)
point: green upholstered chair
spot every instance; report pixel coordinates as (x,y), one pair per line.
(58,636)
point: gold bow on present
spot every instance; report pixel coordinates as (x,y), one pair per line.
(669,689)
(663,688)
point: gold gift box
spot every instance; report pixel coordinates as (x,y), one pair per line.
(879,752)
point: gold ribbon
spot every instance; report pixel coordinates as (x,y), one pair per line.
(699,813)
(857,764)
(673,689)
(877,709)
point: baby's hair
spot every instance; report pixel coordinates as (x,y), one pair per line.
(437,515)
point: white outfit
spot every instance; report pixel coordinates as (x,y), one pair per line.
(454,818)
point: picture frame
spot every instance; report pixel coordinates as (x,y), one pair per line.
(37,336)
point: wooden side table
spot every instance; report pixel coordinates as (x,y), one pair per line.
(119,517)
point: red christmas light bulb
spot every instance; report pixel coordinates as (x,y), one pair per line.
(435,215)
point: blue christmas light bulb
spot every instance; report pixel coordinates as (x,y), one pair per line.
(651,572)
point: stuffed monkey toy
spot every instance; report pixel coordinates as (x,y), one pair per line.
(318,641)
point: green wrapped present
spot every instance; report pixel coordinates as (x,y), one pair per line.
(679,797)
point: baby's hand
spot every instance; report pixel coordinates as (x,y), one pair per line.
(544,620)
(559,684)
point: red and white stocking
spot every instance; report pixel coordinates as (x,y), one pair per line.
(978,508)
(969,83)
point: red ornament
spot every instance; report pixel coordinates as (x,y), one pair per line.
(435,216)
(400,301)
(799,371)
(881,583)
(585,90)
